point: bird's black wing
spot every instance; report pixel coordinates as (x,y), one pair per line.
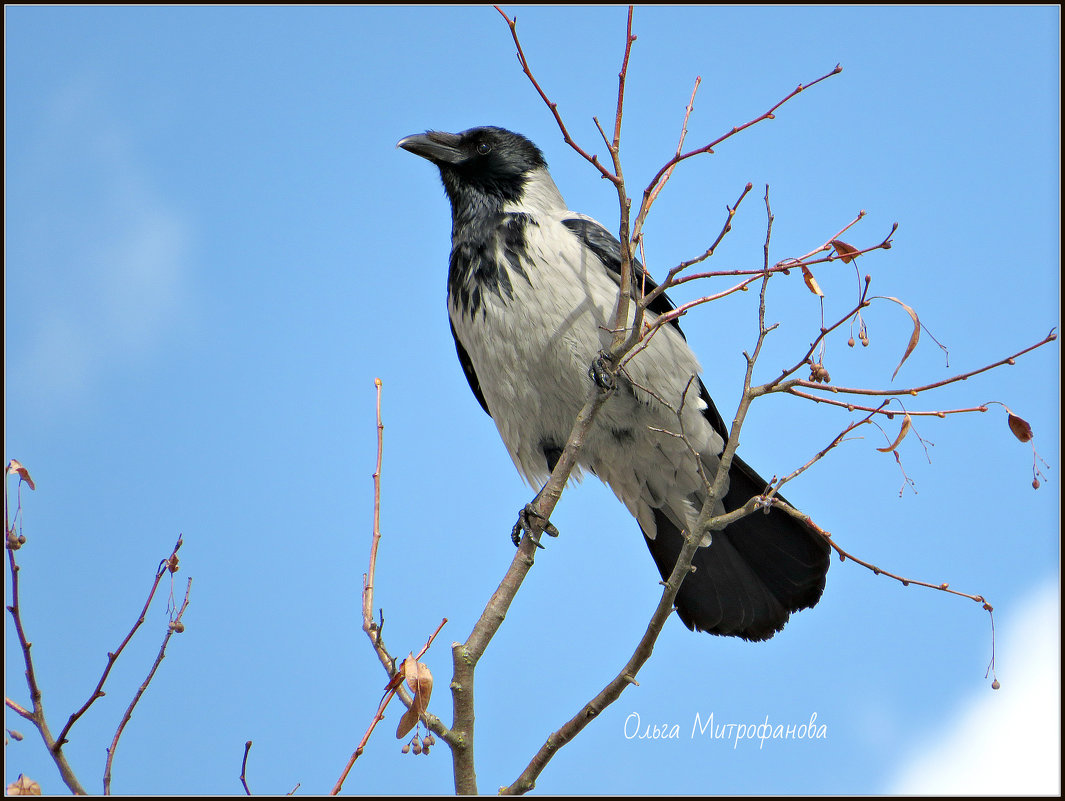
(607,249)
(471,376)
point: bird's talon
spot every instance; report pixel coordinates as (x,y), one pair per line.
(515,533)
(601,374)
(524,525)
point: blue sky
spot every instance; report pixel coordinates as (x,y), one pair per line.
(212,248)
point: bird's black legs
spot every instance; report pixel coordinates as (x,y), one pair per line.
(601,374)
(524,525)
(552,453)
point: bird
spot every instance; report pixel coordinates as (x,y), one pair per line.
(532,290)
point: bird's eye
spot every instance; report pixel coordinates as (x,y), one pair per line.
(484,148)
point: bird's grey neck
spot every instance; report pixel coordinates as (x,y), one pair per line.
(540,194)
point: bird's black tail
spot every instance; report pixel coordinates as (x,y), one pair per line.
(753,575)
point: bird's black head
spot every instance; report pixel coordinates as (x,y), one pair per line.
(482,164)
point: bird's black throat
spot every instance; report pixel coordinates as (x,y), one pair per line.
(487,254)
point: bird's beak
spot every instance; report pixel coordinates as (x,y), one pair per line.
(436,146)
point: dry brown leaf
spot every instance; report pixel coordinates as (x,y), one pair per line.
(421,682)
(406,723)
(24,785)
(846,252)
(1020,428)
(15,466)
(902,435)
(914,337)
(420,679)
(811,282)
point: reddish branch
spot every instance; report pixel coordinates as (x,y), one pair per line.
(649,192)
(368,624)
(680,145)
(914,391)
(372,628)
(380,712)
(176,626)
(593,160)
(168,564)
(671,276)
(879,571)
(37,715)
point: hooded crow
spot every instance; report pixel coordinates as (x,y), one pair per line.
(531,293)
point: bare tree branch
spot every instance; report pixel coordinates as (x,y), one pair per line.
(374,629)
(392,691)
(176,626)
(1008,360)
(168,564)
(16,540)
(244,768)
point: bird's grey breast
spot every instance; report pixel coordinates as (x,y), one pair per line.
(529,310)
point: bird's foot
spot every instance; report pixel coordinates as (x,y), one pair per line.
(601,373)
(525,525)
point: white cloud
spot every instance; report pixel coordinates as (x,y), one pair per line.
(1006,742)
(105,255)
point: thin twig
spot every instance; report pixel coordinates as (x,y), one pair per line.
(671,277)
(244,768)
(112,657)
(888,413)
(680,145)
(709,148)
(593,160)
(37,716)
(373,629)
(175,626)
(368,624)
(879,571)
(1008,360)
(379,716)
(629,39)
